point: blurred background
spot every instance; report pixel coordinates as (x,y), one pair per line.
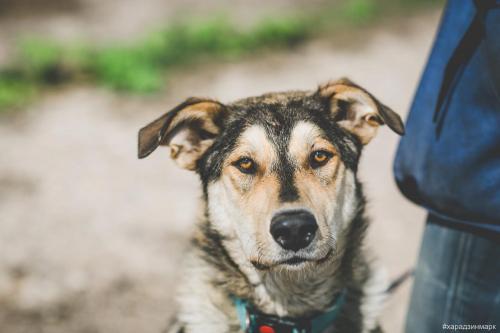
(91,239)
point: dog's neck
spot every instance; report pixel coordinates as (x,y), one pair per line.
(293,294)
(281,292)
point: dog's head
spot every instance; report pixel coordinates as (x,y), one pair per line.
(278,170)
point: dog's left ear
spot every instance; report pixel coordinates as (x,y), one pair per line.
(189,130)
(356,110)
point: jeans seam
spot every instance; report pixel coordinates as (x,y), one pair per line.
(464,264)
(454,279)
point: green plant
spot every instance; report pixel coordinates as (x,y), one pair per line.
(14,93)
(127,70)
(38,56)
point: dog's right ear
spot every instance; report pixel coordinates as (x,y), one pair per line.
(189,130)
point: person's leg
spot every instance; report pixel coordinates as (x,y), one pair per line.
(457,280)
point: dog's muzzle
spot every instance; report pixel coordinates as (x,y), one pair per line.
(293,230)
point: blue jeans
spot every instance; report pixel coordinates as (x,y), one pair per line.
(457,281)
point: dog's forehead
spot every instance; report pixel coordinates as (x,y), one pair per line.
(270,119)
(259,141)
(278,113)
(258,136)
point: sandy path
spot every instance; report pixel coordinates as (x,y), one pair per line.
(91,237)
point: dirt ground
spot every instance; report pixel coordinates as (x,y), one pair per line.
(91,238)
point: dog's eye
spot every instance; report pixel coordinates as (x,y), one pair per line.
(246,165)
(319,158)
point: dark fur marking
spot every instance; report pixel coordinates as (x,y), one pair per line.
(211,245)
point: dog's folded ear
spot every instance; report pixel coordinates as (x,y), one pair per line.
(189,130)
(356,110)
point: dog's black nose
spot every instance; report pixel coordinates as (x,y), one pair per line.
(293,230)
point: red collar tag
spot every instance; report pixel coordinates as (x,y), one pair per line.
(266,329)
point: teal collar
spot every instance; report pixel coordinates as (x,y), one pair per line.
(254,321)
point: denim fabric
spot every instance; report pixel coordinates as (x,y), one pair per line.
(454,170)
(457,280)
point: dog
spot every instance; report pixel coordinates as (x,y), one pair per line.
(279,243)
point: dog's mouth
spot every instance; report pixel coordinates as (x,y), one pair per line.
(295,261)
(292,262)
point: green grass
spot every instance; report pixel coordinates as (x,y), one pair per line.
(142,66)
(14,93)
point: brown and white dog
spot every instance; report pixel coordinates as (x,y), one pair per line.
(283,221)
